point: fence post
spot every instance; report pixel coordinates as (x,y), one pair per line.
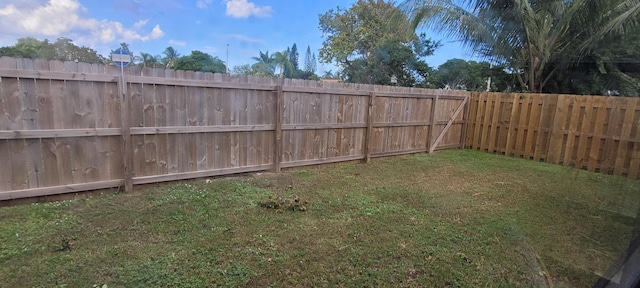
(367,143)
(432,121)
(127,154)
(465,119)
(277,157)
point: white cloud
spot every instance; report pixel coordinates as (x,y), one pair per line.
(246,38)
(58,18)
(177,43)
(244,9)
(202,4)
(140,24)
(155,34)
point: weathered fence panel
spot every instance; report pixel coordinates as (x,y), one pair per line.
(71,127)
(585,132)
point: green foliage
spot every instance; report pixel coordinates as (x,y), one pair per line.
(542,42)
(372,49)
(282,60)
(170,56)
(472,76)
(63,49)
(294,57)
(309,66)
(148,60)
(283,64)
(266,62)
(200,61)
(611,69)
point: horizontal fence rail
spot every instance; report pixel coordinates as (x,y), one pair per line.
(66,127)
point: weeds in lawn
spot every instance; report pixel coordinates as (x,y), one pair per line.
(285,204)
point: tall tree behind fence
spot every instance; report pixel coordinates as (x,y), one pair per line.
(586,132)
(67,127)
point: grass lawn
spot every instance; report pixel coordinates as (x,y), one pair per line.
(454,218)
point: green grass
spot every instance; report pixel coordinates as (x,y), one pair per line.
(455,218)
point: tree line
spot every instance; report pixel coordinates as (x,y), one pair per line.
(279,64)
(284,63)
(551,46)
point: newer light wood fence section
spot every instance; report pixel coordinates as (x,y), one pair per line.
(586,132)
(67,127)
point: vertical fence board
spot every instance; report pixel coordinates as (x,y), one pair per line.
(557,134)
(594,153)
(478,127)
(89,97)
(5,152)
(471,113)
(484,141)
(31,121)
(432,121)
(625,136)
(149,142)
(612,130)
(634,162)
(574,117)
(585,131)
(279,109)
(532,130)
(495,115)
(518,116)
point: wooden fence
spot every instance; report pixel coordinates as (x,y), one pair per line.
(586,132)
(67,127)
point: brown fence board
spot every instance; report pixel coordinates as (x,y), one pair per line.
(520,121)
(31,120)
(574,118)
(532,130)
(557,138)
(585,131)
(472,114)
(511,128)
(611,130)
(634,162)
(487,116)
(478,127)
(594,153)
(625,135)
(495,116)
(6,177)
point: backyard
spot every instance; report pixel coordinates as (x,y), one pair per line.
(458,218)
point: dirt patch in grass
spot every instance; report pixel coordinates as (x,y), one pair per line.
(455,218)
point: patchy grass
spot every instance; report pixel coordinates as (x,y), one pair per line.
(455,218)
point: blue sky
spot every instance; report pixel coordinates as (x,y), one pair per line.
(247,26)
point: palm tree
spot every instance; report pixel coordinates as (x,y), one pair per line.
(170,56)
(265,65)
(266,61)
(282,60)
(148,60)
(533,38)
